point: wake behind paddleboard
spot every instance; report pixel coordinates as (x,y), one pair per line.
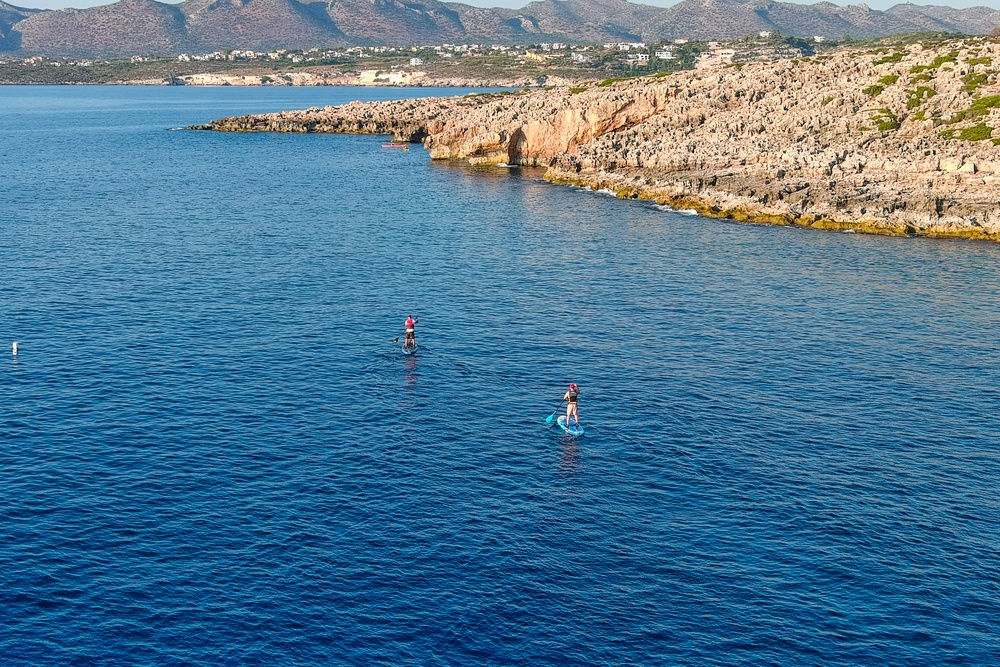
(573,429)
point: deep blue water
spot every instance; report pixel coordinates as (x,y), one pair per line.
(211,453)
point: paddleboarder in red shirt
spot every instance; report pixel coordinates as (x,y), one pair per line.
(411,335)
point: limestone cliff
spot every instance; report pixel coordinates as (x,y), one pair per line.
(882,140)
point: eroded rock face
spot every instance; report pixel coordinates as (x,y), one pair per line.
(889,141)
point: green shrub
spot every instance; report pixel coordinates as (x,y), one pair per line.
(983,105)
(885,121)
(610,82)
(889,79)
(894,58)
(579,89)
(873,91)
(979,132)
(973,81)
(985,60)
(979,108)
(826,100)
(914,98)
(936,63)
(921,77)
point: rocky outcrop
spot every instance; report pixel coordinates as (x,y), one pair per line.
(406,120)
(888,140)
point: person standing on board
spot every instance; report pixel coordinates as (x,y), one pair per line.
(571,396)
(411,335)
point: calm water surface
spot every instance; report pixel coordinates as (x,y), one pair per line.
(211,453)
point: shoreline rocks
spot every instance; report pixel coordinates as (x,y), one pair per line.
(889,141)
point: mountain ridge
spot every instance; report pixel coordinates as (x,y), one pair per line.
(149,27)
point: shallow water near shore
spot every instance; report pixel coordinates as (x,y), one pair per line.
(212,453)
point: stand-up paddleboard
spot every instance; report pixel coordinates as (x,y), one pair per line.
(573,429)
(409,349)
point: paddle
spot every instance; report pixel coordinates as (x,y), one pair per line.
(548,420)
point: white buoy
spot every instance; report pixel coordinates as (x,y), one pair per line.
(15,348)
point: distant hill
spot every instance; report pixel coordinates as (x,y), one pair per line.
(377,22)
(124,28)
(9,15)
(584,20)
(969,21)
(705,19)
(130,27)
(257,24)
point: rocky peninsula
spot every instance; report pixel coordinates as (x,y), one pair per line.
(893,140)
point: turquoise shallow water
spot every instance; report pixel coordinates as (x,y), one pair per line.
(211,453)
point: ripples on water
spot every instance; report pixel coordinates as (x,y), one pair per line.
(212,453)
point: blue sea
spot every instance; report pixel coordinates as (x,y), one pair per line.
(213,453)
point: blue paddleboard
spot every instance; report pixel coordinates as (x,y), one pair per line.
(573,429)
(409,349)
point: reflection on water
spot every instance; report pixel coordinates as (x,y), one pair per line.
(569,458)
(410,365)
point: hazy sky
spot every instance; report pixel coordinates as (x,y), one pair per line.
(874,4)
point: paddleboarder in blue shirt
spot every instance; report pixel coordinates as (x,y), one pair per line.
(571,396)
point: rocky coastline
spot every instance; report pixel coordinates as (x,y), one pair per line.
(896,140)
